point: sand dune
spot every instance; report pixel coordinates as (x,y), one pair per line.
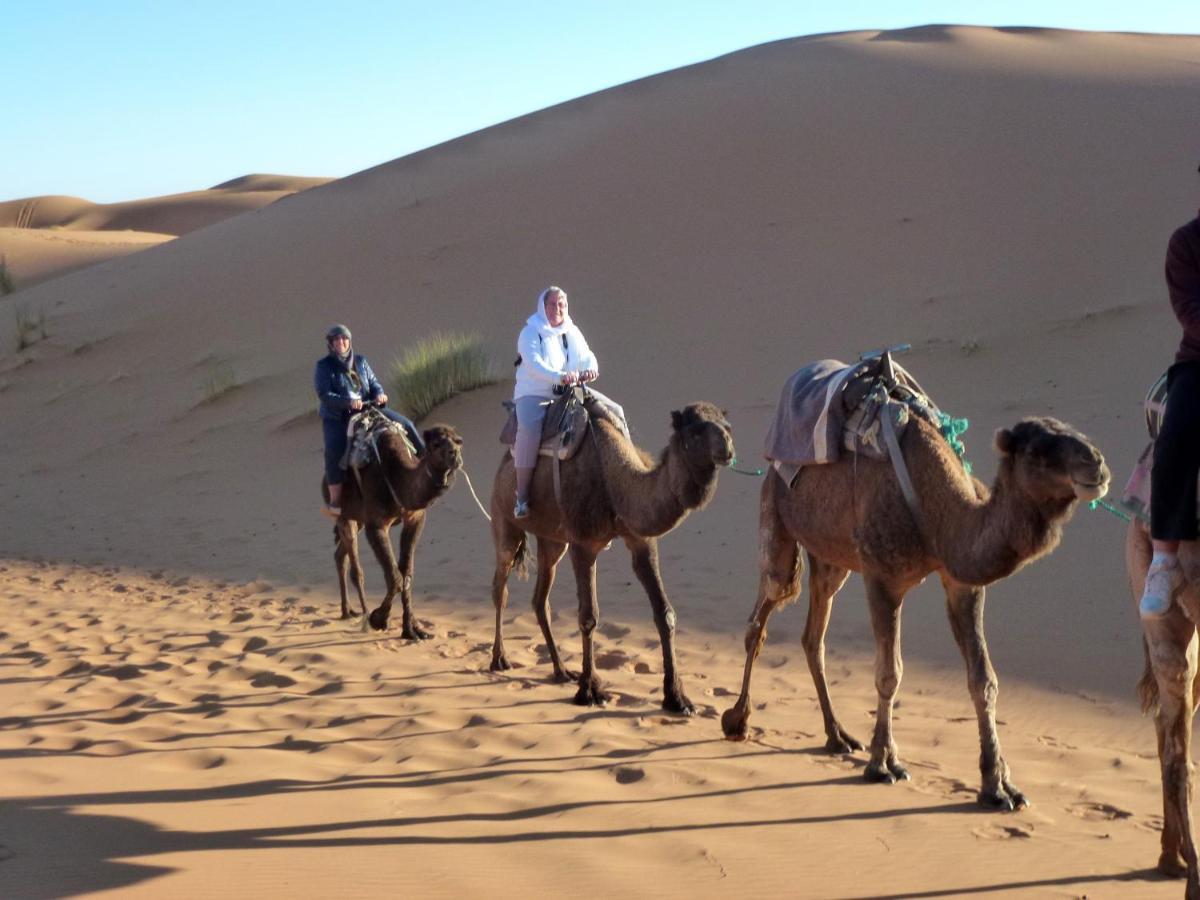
(181,700)
(41,237)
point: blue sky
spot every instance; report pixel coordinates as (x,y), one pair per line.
(122,99)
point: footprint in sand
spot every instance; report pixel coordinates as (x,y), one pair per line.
(254,645)
(240,616)
(1098,812)
(613,631)
(612,659)
(1002,832)
(628,774)
(271,679)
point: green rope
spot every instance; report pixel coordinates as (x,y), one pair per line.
(752,472)
(1098,503)
(952,430)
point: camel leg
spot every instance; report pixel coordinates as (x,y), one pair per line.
(509,542)
(645,566)
(548,555)
(583,561)
(778,584)
(824,581)
(343,559)
(964,605)
(377,537)
(1172,645)
(348,540)
(410,533)
(886,604)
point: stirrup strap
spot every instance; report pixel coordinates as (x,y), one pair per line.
(906,485)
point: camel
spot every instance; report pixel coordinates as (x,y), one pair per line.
(1170,687)
(395,489)
(610,489)
(850,515)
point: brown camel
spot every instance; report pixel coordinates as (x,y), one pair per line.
(851,516)
(610,489)
(1170,687)
(395,489)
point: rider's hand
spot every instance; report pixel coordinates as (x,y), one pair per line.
(381,400)
(568,378)
(356,404)
(588,375)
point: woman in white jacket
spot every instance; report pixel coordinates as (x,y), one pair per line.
(553,356)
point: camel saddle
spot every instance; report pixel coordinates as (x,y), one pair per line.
(563,429)
(362,439)
(1135,499)
(828,408)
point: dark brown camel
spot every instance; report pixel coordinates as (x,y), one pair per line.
(1170,687)
(393,490)
(610,489)
(851,516)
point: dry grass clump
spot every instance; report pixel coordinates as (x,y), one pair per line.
(435,369)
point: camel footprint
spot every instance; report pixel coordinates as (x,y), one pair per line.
(1098,812)
(996,832)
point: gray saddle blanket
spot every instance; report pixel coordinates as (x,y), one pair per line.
(563,429)
(828,408)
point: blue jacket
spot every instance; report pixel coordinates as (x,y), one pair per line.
(337,384)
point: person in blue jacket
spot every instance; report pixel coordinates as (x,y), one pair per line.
(345,383)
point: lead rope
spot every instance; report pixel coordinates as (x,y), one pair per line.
(471,487)
(755,473)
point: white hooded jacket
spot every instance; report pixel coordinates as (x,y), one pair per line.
(548,353)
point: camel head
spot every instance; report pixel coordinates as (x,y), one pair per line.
(1052,462)
(704,434)
(443,452)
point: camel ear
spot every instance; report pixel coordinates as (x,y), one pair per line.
(1005,442)
(428,435)
(676,419)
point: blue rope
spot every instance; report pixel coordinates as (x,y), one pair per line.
(1099,503)
(755,472)
(952,430)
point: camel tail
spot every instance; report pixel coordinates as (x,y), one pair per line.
(1147,686)
(521,558)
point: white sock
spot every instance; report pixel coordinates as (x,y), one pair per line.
(1162,558)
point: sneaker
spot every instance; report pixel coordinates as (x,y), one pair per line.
(1160,584)
(521,510)
(334,512)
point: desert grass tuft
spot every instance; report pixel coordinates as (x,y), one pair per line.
(435,369)
(219,380)
(7,284)
(31,327)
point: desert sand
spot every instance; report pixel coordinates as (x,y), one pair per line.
(183,712)
(41,237)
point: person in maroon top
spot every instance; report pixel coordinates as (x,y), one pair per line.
(1177,449)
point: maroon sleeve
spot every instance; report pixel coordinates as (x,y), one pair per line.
(1183,280)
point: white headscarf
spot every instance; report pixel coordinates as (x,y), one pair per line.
(539,321)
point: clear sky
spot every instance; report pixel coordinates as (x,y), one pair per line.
(120,99)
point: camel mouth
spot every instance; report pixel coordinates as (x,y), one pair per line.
(726,459)
(1092,490)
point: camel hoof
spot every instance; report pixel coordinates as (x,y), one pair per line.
(565,676)
(378,619)
(500,663)
(997,800)
(842,743)
(878,773)
(591,694)
(1172,865)
(679,704)
(415,632)
(735,724)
